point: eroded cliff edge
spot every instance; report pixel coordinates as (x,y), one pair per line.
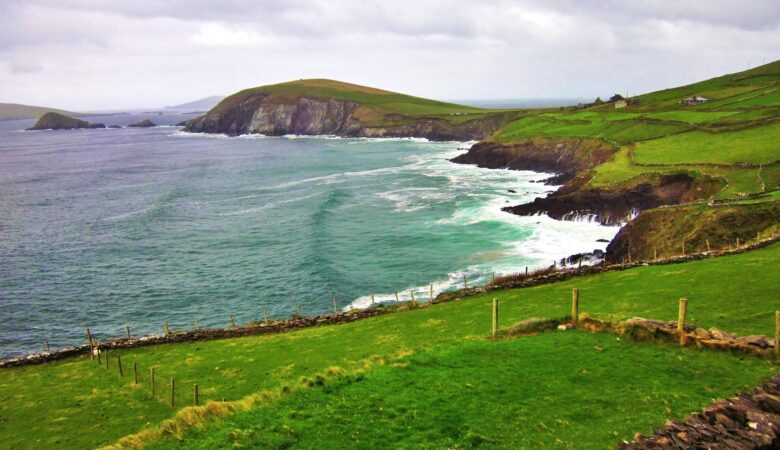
(273,115)
(572,161)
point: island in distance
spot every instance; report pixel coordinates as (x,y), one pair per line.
(55,121)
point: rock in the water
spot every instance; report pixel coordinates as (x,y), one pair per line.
(146,123)
(54,121)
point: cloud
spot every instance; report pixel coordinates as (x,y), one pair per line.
(82,54)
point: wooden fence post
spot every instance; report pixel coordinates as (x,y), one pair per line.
(430,301)
(335,309)
(681,319)
(173,393)
(151,380)
(414,302)
(91,344)
(708,245)
(266,316)
(197,324)
(46,341)
(127,331)
(777,336)
(195,395)
(100,363)
(495,317)
(629,256)
(298,311)
(372,299)
(135,374)
(575,305)
(119,364)
(683,248)
(396,298)
(493,281)
(105,355)
(465,285)
(166,328)
(526,271)
(737,242)
(232,321)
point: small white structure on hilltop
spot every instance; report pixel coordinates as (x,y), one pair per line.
(694,100)
(621,104)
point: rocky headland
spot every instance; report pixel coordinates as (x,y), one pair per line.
(55,121)
(326,107)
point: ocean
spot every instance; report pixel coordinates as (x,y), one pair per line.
(115,227)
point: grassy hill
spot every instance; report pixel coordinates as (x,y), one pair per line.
(17,111)
(76,404)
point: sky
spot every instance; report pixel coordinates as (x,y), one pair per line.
(87,55)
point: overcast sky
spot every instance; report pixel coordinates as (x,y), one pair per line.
(90,54)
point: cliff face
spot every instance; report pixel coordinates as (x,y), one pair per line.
(54,121)
(571,161)
(303,115)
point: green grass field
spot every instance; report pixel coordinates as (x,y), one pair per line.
(76,404)
(572,390)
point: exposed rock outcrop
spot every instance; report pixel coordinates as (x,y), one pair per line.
(747,421)
(274,116)
(146,123)
(54,121)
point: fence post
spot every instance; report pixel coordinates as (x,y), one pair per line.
(575,305)
(655,254)
(298,311)
(737,242)
(197,324)
(91,344)
(106,356)
(166,328)
(493,281)
(629,256)
(232,321)
(465,285)
(173,392)
(431,294)
(708,245)
(414,302)
(526,271)
(151,380)
(683,248)
(396,298)
(135,374)
(127,331)
(335,309)
(195,394)
(100,362)
(777,336)
(372,299)
(495,317)
(48,349)
(119,364)
(266,316)
(681,319)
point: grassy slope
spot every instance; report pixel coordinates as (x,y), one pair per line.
(375,103)
(17,111)
(93,406)
(545,391)
(739,125)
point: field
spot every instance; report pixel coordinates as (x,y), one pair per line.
(543,391)
(87,405)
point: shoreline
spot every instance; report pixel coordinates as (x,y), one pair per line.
(285,325)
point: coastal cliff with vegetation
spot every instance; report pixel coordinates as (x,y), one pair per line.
(715,162)
(327,107)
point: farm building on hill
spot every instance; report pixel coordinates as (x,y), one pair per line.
(694,100)
(621,104)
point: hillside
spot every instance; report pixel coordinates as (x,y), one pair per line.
(617,159)
(16,111)
(317,106)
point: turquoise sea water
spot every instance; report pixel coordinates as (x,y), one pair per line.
(104,228)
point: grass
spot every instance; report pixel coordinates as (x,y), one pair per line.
(753,145)
(571,390)
(93,406)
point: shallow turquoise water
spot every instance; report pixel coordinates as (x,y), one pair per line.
(103,228)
